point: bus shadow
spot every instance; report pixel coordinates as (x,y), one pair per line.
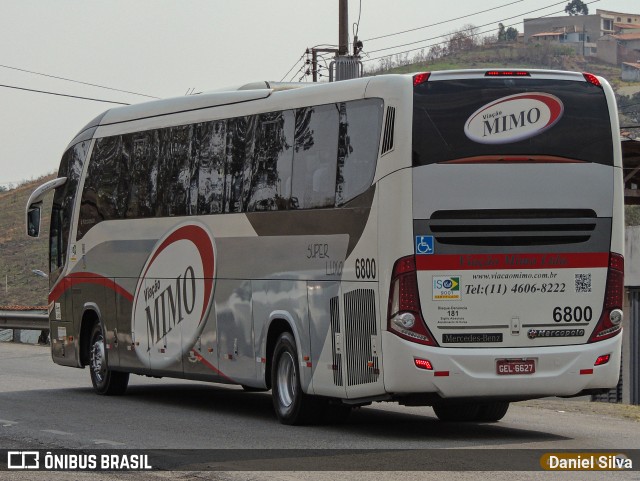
(224,401)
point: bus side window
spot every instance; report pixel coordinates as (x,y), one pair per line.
(360,124)
(315,157)
(210,144)
(235,163)
(174,171)
(101,198)
(272,161)
(140,150)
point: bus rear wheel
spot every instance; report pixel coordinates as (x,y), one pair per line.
(292,406)
(104,380)
(492,412)
(457,413)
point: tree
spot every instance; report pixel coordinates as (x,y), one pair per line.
(462,39)
(502,34)
(511,34)
(576,7)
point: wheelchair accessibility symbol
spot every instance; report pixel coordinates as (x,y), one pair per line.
(424,244)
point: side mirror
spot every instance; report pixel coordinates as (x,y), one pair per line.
(33,221)
(34,205)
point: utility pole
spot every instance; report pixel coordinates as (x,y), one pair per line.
(344,66)
(343,27)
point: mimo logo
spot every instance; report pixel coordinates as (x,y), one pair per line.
(514,118)
(174,294)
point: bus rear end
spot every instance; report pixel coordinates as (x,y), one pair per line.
(515,286)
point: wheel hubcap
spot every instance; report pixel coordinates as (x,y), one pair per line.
(287,380)
(98,364)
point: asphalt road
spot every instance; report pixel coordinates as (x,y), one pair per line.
(46,406)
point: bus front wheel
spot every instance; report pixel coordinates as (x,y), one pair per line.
(104,380)
(292,406)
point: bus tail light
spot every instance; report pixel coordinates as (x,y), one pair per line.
(610,322)
(592,79)
(507,73)
(420,78)
(404,314)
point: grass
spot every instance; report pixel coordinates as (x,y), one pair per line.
(20,254)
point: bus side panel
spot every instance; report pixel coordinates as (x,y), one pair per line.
(280,300)
(200,361)
(127,353)
(327,335)
(235,329)
(395,236)
(64,351)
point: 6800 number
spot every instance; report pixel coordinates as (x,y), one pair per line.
(571,314)
(365,268)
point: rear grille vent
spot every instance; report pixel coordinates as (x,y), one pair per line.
(334,308)
(360,326)
(510,227)
(389,127)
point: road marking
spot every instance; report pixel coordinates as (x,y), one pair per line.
(53,431)
(106,441)
(7,423)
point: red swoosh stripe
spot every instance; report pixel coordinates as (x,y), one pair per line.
(78,278)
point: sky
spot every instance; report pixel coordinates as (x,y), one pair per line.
(167,48)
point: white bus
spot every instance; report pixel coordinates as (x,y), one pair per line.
(451,239)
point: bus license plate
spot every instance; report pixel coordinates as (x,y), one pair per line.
(512,366)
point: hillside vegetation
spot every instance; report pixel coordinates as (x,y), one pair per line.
(20,254)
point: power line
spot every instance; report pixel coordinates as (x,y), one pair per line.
(62,95)
(442,22)
(293,66)
(479,26)
(76,81)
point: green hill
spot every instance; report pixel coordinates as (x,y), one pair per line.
(20,254)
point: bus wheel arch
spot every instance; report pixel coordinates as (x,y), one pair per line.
(93,354)
(292,406)
(89,318)
(276,329)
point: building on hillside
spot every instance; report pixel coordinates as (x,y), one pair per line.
(631,71)
(583,32)
(624,47)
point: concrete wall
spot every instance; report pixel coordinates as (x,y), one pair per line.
(632,257)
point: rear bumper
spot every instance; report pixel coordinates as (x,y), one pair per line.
(472,372)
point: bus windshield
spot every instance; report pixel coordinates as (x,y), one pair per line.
(523,118)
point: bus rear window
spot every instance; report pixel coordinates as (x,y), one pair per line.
(510,117)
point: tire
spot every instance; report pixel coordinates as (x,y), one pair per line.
(492,412)
(104,380)
(292,406)
(461,413)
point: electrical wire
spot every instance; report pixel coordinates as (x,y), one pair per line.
(293,66)
(357,24)
(62,95)
(442,22)
(76,81)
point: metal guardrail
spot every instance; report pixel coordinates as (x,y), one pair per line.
(24,320)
